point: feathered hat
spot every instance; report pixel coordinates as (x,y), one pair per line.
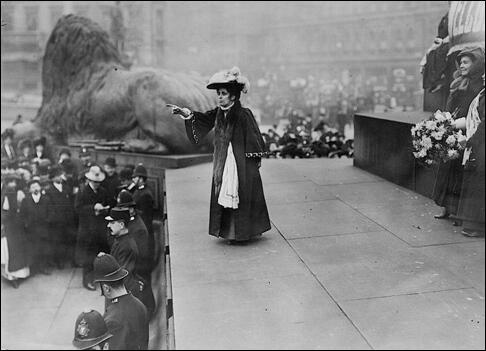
(229,77)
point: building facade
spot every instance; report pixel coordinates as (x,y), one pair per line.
(26,26)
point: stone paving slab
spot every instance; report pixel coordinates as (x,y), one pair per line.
(319,218)
(465,260)
(372,265)
(279,193)
(282,312)
(40,314)
(451,320)
(336,171)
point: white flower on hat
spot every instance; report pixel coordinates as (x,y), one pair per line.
(232,75)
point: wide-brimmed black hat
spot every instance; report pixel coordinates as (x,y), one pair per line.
(140,171)
(90,329)
(24,143)
(231,77)
(125,199)
(107,269)
(126,173)
(110,161)
(55,172)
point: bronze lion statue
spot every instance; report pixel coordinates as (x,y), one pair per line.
(89,92)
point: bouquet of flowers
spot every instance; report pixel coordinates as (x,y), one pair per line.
(436,139)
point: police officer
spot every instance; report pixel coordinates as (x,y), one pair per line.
(91,332)
(124,249)
(125,316)
(144,202)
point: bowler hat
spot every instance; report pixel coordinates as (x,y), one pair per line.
(90,329)
(110,161)
(107,269)
(126,174)
(231,77)
(125,199)
(95,174)
(140,171)
(67,165)
(119,214)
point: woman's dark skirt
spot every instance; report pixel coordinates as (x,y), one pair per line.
(448,184)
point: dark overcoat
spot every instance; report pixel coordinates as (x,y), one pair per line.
(126,318)
(34,217)
(125,251)
(112,185)
(144,200)
(60,205)
(91,238)
(138,231)
(240,128)
(472,203)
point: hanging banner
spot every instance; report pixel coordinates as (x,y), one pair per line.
(466,24)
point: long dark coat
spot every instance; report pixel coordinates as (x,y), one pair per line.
(34,217)
(240,128)
(18,252)
(60,209)
(91,238)
(472,203)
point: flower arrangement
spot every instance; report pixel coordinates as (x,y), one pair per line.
(436,139)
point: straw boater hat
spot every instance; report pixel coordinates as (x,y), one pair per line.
(95,174)
(231,77)
(90,330)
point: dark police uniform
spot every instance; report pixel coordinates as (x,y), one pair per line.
(125,251)
(126,318)
(144,201)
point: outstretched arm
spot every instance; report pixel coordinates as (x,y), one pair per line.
(198,124)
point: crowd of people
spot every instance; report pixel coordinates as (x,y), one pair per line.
(335,99)
(303,140)
(59,211)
